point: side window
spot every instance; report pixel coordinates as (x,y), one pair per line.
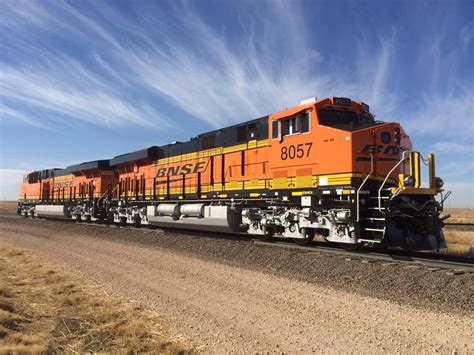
(274,129)
(285,127)
(305,122)
(296,124)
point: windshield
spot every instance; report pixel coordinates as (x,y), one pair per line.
(346,120)
(337,118)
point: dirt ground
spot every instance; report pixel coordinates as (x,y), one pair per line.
(43,308)
(229,306)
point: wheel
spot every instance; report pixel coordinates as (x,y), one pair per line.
(110,218)
(78,217)
(350,247)
(123,221)
(268,234)
(309,236)
(303,241)
(136,222)
(88,218)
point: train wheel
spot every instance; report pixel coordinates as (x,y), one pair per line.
(88,219)
(303,241)
(309,236)
(123,221)
(268,234)
(110,218)
(350,247)
(137,222)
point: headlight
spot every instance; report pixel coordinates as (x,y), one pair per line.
(409,181)
(439,182)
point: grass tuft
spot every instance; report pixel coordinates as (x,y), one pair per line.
(44,309)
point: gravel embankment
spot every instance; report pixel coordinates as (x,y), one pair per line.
(416,285)
(214,291)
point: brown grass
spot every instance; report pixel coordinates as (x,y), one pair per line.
(8,206)
(44,308)
(459,242)
(460,215)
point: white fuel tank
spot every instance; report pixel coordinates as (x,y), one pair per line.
(192,210)
(168,209)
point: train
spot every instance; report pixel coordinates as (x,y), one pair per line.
(323,168)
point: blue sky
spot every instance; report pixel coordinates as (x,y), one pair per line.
(85,80)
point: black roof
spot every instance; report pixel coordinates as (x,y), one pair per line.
(89,165)
(151,153)
(59,172)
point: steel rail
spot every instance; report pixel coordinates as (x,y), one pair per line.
(459,224)
(435,260)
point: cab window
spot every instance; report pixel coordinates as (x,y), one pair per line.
(295,125)
(274,129)
(335,118)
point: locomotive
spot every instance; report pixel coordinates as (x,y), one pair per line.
(323,168)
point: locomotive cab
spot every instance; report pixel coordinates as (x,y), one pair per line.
(342,162)
(390,207)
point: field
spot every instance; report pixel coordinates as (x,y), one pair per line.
(44,308)
(460,215)
(8,206)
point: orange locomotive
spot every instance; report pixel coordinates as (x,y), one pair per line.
(325,167)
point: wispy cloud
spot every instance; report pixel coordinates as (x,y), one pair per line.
(7,113)
(449,116)
(453,147)
(467,35)
(190,64)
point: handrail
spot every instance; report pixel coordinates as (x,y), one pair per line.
(388,175)
(107,192)
(363,183)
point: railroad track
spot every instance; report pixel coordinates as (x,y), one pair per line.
(456,263)
(467,227)
(459,224)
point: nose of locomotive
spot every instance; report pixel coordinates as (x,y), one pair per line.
(383,145)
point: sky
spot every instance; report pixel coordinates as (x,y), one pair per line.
(86,80)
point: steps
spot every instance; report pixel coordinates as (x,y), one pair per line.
(373,222)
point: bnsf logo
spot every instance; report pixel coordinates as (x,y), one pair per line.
(62,184)
(190,168)
(379,148)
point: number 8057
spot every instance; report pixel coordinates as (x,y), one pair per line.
(296,151)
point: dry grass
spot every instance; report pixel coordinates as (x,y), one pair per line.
(46,309)
(460,215)
(459,242)
(8,206)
